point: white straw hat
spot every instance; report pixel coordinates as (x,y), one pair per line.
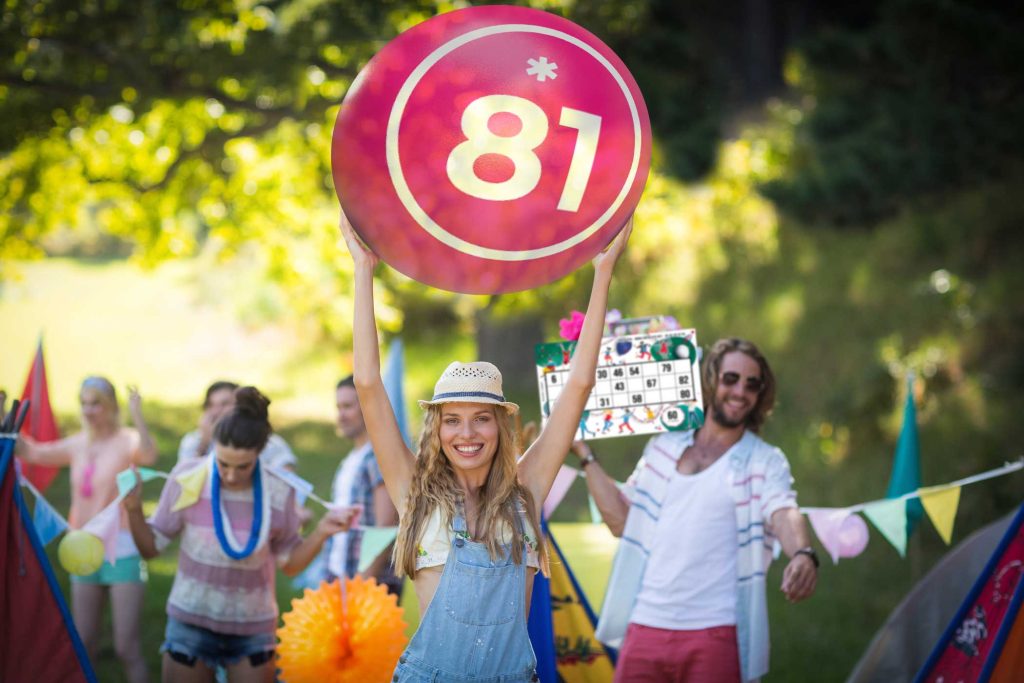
(478,382)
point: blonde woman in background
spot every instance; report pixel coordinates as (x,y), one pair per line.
(95,455)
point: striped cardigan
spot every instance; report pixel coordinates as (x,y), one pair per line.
(760,484)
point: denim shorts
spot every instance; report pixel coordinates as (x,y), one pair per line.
(186,643)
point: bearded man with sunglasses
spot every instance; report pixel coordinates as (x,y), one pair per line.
(698,519)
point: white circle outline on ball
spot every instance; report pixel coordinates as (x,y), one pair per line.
(423,218)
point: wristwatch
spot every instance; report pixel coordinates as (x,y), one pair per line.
(587,459)
(809,552)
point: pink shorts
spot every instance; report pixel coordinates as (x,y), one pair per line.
(657,655)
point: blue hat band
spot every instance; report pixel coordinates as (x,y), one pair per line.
(468,394)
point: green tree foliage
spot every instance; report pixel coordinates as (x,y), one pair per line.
(203,128)
(185,126)
(905,98)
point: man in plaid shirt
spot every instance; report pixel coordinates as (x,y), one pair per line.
(358,481)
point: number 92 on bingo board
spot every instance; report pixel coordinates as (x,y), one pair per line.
(645,384)
(491,149)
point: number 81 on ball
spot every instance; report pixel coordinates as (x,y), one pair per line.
(491,149)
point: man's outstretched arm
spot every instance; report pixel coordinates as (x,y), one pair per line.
(603,489)
(801,574)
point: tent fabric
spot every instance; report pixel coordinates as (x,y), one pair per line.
(40,643)
(562,624)
(904,642)
(982,641)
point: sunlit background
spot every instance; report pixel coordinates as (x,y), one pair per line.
(839,183)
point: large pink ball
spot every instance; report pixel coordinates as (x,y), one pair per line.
(491,149)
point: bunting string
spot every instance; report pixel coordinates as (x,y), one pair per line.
(1007,468)
(841,529)
(50,524)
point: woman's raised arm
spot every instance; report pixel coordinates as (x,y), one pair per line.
(50,453)
(396,460)
(541,462)
(147,453)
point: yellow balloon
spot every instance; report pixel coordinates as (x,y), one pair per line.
(80,552)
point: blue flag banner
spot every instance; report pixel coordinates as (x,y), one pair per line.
(541,628)
(394,371)
(48,522)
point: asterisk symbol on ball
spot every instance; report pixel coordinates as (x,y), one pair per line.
(542,69)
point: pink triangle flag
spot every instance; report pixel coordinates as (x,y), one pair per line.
(563,480)
(843,533)
(105,526)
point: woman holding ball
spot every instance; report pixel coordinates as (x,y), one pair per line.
(469,502)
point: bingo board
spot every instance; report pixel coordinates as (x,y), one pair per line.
(646,384)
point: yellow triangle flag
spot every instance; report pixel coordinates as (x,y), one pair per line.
(191,483)
(941,503)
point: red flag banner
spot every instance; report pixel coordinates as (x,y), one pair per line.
(39,424)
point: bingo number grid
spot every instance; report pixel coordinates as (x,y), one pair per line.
(645,384)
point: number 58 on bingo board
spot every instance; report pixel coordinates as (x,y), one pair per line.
(491,149)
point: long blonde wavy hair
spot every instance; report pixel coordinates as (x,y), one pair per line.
(434,486)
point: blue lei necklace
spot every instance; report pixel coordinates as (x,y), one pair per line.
(257,515)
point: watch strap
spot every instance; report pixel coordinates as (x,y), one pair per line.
(809,552)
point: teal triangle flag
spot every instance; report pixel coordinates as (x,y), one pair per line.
(595,513)
(906,466)
(890,516)
(375,541)
(126,480)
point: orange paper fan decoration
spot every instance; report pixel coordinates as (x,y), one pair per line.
(323,643)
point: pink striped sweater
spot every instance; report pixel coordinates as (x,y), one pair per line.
(210,589)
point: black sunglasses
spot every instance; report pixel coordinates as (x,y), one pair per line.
(754,384)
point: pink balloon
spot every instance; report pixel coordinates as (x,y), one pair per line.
(853,536)
(844,534)
(491,149)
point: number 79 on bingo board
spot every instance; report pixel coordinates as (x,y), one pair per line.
(644,384)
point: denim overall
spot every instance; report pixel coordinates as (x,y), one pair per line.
(475,627)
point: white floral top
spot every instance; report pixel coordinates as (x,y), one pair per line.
(436,541)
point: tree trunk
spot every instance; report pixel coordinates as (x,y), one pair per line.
(508,341)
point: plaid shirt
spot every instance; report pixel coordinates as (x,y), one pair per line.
(343,558)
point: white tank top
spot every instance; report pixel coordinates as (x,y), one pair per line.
(690,578)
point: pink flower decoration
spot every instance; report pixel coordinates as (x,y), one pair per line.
(569,328)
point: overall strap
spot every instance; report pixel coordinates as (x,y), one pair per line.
(459,520)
